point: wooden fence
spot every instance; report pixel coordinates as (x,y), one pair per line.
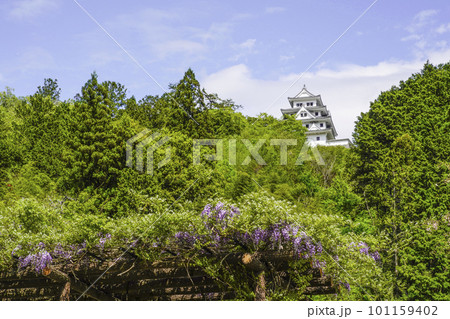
(101,277)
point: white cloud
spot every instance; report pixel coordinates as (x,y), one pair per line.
(440,56)
(243,49)
(30,8)
(422,31)
(248,44)
(179,46)
(285,58)
(161,33)
(101,58)
(275,9)
(421,19)
(347,90)
(411,37)
(443,28)
(216,31)
(35,58)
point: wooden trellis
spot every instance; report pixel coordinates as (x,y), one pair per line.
(130,278)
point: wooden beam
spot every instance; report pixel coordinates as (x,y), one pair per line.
(210,296)
(142,274)
(321,290)
(322,281)
(20,283)
(260,291)
(148,292)
(160,283)
(65,293)
(30,293)
(76,285)
(252,262)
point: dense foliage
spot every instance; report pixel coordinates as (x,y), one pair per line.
(403,169)
(375,217)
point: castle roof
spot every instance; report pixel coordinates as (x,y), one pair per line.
(309,108)
(305,95)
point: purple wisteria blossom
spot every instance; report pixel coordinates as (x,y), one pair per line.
(218,216)
(219,206)
(281,236)
(73,250)
(185,238)
(38,261)
(234,211)
(59,251)
(364,249)
(347,286)
(258,236)
(285,233)
(375,256)
(318,264)
(206,211)
(103,239)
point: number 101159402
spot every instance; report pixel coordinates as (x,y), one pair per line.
(402,310)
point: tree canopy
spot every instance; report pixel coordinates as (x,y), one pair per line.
(379,210)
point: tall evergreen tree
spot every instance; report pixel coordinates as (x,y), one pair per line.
(98,148)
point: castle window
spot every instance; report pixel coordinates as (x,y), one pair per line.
(317,113)
(318,138)
(321,124)
(307,125)
(299,104)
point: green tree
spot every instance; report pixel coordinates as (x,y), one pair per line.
(189,109)
(401,172)
(418,107)
(97,142)
(10,148)
(50,89)
(43,128)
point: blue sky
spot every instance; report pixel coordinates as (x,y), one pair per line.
(250,51)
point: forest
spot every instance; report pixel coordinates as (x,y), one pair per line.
(375,217)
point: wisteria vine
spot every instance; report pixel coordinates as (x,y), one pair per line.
(220,232)
(281,236)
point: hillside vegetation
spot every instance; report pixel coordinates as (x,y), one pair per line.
(376,216)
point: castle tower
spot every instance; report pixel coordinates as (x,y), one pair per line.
(315,116)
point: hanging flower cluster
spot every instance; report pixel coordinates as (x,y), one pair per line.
(279,236)
(282,236)
(38,260)
(74,250)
